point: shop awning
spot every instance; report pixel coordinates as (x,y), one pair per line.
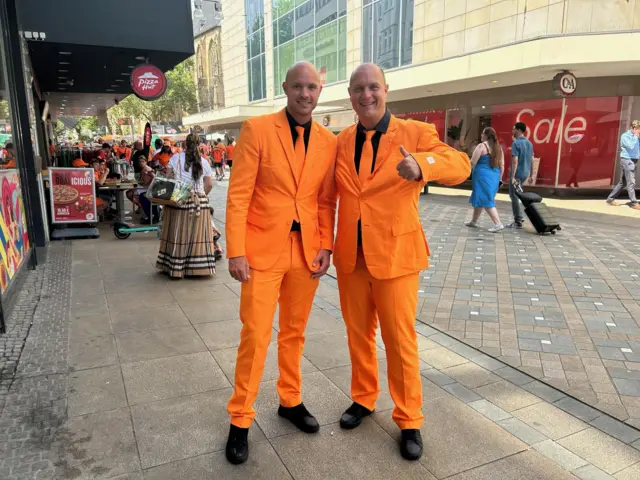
(90,48)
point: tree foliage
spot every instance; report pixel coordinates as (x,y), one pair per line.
(178,101)
(86,128)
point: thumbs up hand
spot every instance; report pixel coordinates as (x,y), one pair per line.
(408,168)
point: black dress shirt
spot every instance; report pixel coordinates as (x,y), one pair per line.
(295,226)
(381,128)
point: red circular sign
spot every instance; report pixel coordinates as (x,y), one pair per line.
(148,82)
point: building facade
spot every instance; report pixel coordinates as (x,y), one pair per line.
(209,76)
(459,64)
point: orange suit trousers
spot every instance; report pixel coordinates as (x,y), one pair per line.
(288,283)
(365,301)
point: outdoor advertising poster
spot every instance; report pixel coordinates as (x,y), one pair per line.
(14,239)
(73,195)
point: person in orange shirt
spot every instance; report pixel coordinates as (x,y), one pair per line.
(280,219)
(52,152)
(164,155)
(380,246)
(217,153)
(230,148)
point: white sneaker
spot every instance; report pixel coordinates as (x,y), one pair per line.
(471,224)
(496,228)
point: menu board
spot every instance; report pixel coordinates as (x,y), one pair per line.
(73,195)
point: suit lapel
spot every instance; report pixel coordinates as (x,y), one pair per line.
(284,134)
(386,143)
(351,155)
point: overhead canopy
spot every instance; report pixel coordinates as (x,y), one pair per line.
(90,48)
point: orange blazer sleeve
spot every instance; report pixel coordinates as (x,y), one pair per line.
(327,199)
(438,161)
(246,161)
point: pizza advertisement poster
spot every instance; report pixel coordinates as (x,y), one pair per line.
(73,195)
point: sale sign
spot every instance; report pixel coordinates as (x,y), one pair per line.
(73,195)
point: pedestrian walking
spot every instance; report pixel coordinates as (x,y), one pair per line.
(521,159)
(487,163)
(629,154)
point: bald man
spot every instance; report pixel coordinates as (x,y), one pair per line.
(381,248)
(280,223)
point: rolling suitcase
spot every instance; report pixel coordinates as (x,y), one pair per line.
(541,218)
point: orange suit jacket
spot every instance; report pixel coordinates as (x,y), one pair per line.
(265,197)
(393,241)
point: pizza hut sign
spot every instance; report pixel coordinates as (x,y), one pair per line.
(148,82)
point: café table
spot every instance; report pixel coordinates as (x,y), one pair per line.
(119,189)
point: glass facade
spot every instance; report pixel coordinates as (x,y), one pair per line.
(312,30)
(255,50)
(577,149)
(387,32)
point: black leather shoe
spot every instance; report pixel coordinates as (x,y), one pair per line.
(300,417)
(237,445)
(353,416)
(410,444)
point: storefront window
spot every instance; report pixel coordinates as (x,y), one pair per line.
(585,140)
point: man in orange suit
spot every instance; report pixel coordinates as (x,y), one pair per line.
(280,220)
(381,248)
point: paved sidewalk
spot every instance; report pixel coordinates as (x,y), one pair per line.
(142,387)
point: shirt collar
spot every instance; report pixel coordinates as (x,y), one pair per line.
(382,126)
(293,123)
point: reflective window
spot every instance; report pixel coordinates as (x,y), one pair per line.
(387,32)
(255,49)
(304,17)
(319,33)
(326,11)
(306,48)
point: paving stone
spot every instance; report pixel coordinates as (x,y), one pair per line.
(101,445)
(627,386)
(458,437)
(441,358)
(155,317)
(616,429)
(169,377)
(521,430)
(150,344)
(631,473)
(263,464)
(507,396)
(199,312)
(589,472)
(489,410)
(526,465)
(366,452)
(91,352)
(96,390)
(178,428)
(471,375)
(513,376)
(323,399)
(560,455)
(601,450)
(437,377)
(550,420)
(577,409)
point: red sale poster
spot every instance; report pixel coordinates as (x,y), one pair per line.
(73,195)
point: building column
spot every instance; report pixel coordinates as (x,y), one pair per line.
(22,134)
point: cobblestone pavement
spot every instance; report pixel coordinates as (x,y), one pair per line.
(129,377)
